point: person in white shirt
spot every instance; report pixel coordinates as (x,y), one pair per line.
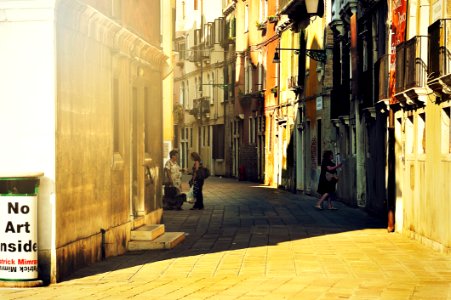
(173,172)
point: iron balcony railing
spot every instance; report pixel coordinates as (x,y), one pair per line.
(411,68)
(439,49)
(284,3)
(201,106)
(382,70)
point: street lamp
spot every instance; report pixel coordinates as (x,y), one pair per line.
(318,55)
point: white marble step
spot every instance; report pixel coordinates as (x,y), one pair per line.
(168,240)
(147,232)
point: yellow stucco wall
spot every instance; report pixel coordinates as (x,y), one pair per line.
(423,207)
(109,125)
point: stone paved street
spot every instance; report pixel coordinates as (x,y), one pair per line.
(253,242)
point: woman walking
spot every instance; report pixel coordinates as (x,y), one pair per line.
(326,188)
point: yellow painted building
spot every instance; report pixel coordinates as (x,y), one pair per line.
(81,96)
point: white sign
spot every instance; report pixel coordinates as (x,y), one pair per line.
(18,238)
(319,103)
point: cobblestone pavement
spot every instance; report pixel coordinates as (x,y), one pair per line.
(253,242)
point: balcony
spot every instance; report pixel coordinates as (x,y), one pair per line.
(411,72)
(440,56)
(201,107)
(382,77)
(294,85)
(261,25)
(196,54)
(382,68)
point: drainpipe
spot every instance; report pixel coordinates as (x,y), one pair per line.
(360,149)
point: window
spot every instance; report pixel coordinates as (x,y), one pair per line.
(182,95)
(231,132)
(261,125)
(196,86)
(263,10)
(181,47)
(116,9)
(246,18)
(261,72)
(218,142)
(252,130)
(208,90)
(247,75)
(231,80)
(184,146)
(219,30)
(188,101)
(446,130)
(232,28)
(206,136)
(246,70)
(212,82)
(208,35)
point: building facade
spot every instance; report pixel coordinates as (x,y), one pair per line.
(391,109)
(365,79)
(421,122)
(200,103)
(304,95)
(88,119)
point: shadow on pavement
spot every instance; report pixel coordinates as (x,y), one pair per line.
(240,215)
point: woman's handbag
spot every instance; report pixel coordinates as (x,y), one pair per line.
(331,176)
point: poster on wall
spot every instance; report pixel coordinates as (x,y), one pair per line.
(18,238)
(398,35)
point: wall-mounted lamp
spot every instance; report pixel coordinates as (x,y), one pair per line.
(318,55)
(312,6)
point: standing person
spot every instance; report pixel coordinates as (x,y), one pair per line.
(197,181)
(327,187)
(173,172)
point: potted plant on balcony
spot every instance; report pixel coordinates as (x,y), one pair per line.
(274,91)
(179,113)
(273,19)
(261,25)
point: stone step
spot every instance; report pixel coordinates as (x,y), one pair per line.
(167,240)
(147,232)
(138,222)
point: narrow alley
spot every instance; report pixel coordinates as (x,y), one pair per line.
(255,242)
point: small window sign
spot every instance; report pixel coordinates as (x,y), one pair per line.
(319,103)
